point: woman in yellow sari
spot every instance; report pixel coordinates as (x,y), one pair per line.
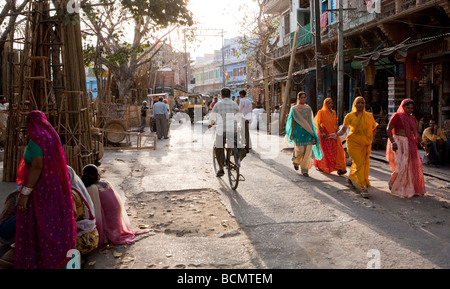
(359,143)
(333,151)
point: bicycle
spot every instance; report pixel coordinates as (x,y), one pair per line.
(232,163)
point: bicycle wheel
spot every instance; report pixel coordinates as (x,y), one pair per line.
(215,162)
(233,164)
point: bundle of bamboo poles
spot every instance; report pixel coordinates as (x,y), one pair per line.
(69,108)
(75,82)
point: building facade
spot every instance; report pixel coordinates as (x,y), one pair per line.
(225,68)
(392,49)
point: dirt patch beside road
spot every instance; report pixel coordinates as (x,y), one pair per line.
(187,213)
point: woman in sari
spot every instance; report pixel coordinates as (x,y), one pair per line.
(300,128)
(407,175)
(87,234)
(359,143)
(111,219)
(45,224)
(333,151)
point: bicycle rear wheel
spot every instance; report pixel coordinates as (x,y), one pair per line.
(233,164)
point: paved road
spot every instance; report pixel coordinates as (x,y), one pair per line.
(276,218)
(284,219)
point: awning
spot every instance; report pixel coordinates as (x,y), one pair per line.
(401,49)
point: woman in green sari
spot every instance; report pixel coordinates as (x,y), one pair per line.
(300,128)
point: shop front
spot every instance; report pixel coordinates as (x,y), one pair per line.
(428,82)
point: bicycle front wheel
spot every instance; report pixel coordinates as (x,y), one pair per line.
(233,164)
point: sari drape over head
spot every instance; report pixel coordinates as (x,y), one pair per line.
(359,143)
(333,151)
(303,116)
(407,173)
(86,225)
(46,231)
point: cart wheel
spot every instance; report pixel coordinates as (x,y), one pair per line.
(117,125)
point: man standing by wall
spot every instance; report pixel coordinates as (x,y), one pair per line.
(162,117)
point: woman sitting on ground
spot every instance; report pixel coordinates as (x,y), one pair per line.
(87,233)
(111,219)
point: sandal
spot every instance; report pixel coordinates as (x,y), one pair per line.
(341,172)
(364,194)
(296,167)
(349,184)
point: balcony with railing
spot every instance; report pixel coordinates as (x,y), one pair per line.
(303,37)
(390,8)
(275,6)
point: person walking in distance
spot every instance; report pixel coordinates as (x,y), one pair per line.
(161,116)
(144,109)
(245,107)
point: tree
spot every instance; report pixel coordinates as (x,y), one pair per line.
(120,51)
(8,18)
(256,44)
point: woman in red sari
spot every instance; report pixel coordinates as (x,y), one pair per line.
(45,224)
(402,153)
(333,151)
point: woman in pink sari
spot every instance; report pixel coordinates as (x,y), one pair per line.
(45,225)
(407,175)
(111,218)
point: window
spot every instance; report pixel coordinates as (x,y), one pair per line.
(287,24)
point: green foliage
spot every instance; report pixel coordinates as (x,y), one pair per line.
(163,12)
(148,16)
(68,18)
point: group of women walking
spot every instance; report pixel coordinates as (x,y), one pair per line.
(318,138)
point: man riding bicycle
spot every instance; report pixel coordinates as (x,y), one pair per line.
(225,114)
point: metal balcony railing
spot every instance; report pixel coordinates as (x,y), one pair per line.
(303,37)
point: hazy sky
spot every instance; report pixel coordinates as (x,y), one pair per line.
(217,14)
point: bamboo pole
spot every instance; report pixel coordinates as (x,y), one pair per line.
(287,92)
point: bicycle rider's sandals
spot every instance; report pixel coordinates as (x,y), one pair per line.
(220,173)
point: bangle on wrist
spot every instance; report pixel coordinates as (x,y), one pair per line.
(26,190)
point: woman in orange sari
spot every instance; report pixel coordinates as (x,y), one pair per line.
(359,143)
(402,153)
(333,151)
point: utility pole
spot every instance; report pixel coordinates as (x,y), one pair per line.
(186,64)
(340,96)
(340,81)
(319,88)
(223,60)
(287,94)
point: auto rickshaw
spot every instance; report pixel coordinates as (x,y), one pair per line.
(196,108)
